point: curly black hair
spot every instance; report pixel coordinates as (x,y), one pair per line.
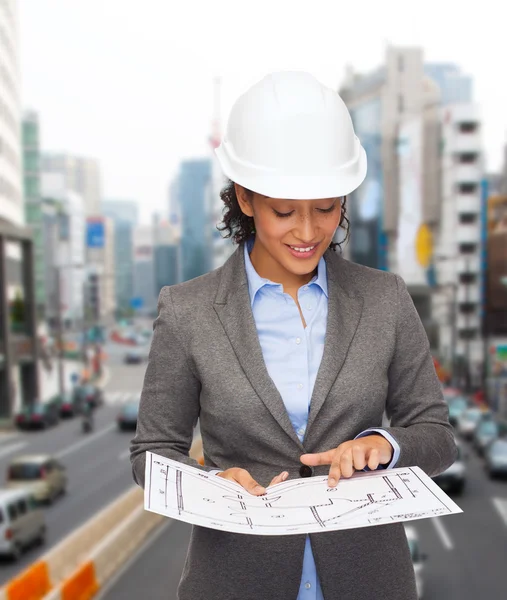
(240,227)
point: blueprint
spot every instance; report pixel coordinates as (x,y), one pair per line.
(303,505)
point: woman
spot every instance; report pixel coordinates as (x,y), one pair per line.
(289,355)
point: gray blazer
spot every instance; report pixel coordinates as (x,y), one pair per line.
(206,363)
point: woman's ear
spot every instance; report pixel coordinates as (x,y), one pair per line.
(244,200)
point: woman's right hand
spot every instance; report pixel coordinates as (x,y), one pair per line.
(243,477)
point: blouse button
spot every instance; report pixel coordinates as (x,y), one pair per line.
(305,471)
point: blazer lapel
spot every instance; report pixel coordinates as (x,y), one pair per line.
(233,307)
(344,313)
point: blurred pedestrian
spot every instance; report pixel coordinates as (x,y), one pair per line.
(289,355)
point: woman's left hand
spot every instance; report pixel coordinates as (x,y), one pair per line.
(371,451)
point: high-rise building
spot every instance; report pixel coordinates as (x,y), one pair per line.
(19,350)
(193,200)
(82,175)
(64,251)
(125,216)
(410,210)
(33,206)
(101,266)
(144,269)
(458,240)
(167,259)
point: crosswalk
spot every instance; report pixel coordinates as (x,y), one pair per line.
(116,398)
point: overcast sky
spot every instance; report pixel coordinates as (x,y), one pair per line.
(131,82)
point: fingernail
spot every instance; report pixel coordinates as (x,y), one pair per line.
(258,489)
(284,475)
(331,482)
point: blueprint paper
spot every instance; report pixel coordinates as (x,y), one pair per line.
(295,506)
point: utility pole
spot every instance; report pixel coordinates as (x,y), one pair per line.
(454,328)
(59,333)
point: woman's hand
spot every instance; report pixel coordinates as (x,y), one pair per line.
(243,477)
(371,451)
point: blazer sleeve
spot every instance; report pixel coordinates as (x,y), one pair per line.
(415,406)
(169,407)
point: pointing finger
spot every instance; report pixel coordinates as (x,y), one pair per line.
(320,458)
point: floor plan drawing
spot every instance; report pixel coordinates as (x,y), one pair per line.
(294,506)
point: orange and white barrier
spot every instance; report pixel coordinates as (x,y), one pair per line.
(83,562)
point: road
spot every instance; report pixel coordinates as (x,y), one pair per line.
(98,466)
(467,553)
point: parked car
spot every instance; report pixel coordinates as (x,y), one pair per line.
(486,432)
(457,406)
(42,474)
(133,357)
(127,418)
(89,393)
(496,458)
(418,558)
(453,479)
(70,404)
(22,522)
(468,422)
(39,415)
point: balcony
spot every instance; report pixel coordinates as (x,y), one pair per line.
(468,321)
(468,264)
(468,293)
(467,173)
(468,203)
(467,142)
(468,234)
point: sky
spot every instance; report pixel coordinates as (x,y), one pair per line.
(131,83)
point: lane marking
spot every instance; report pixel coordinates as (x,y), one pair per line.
(85,441)
(442,533)
(501,507)
(10,449)
(125,454)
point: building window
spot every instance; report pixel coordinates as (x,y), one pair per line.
(467,308)
(467,188)
(467,248)
(468,334)
(467,157)
(467,127)
(400,103)
(468,218)
(468,278)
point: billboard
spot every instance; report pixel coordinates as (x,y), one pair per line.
(95,233)
(413,246)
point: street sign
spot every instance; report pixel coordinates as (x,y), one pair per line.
(95,233)
(424,245)
(136,303)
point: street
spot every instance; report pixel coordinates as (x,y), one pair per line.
(98,466)
(466,553)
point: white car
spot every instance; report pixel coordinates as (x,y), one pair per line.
(22,522)
(418,558)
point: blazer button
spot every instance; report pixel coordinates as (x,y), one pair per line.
(306,471)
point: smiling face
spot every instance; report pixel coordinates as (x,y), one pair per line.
(291,235)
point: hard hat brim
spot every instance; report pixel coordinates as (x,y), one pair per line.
(301,186)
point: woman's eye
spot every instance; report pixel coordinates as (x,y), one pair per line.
(327,210)
(281,215)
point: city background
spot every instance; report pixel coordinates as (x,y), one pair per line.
(82,263)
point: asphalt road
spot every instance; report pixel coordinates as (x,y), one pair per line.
(98,466)
(467,553)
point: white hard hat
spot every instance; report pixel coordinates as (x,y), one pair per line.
(289,136)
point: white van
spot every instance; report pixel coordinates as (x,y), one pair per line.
(22,522)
